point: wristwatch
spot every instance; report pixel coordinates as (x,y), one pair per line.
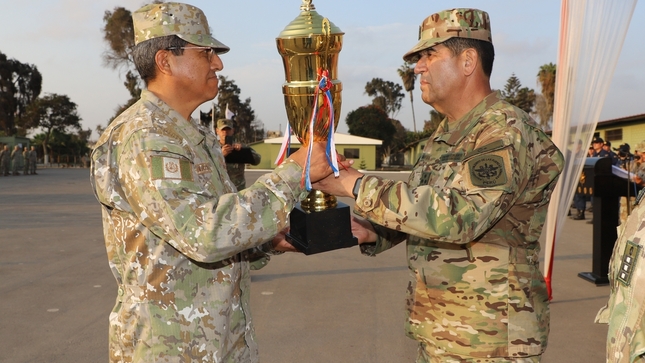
(357,187)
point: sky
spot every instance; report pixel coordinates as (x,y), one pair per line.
(64,40)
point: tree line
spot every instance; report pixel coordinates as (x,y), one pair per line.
(23,109)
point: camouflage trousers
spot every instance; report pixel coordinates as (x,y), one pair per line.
(425,355)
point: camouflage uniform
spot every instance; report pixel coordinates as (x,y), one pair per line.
(16,160)
(5,160)
(236,171)
(180,241)
(25,157)
(626,307)
(33,159)
(472,212)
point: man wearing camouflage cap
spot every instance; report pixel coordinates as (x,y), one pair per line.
(472,210)
(225,131)
(180,241)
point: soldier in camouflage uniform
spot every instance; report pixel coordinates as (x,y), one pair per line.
(33,159)
(626,307)
(16,160)
(180,240)
(5,160)
(235,171)
(472,210)
(25,164)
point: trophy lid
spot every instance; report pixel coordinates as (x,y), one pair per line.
(308,23)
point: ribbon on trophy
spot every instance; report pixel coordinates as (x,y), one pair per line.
(324,86)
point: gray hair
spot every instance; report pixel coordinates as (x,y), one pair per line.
(143,54)
(484,49)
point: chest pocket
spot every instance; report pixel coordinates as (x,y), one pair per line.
(214,174)
(420,172)
(439,172)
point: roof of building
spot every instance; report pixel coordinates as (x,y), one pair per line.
(339,139)
(626,119)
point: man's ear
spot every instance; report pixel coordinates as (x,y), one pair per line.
(162,60)
(469,60)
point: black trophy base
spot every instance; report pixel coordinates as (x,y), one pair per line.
(592,277)
(322,231)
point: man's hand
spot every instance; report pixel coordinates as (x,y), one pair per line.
(363,230)
(318,165)
(228,148)
(280,242)
(342,186)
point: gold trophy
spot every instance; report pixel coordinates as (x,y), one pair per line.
(309,47)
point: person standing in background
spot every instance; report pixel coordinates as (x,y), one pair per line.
(25,157)
(226,133)
(33,159)
(16,160)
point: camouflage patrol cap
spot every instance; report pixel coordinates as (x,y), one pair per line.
(453,23)
(224,123)
(185,21)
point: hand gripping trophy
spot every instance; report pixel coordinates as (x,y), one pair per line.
(309,47)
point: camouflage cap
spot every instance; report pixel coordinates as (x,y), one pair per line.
(453,23)
(224,123)
(185,21)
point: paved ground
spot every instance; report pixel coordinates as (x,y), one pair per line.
(56,289)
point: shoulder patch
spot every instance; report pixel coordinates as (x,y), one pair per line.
(488,170)
(166,167)
(628,262)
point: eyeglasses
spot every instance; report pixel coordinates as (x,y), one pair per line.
(209,51)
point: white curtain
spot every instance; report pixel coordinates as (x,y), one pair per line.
(592,33)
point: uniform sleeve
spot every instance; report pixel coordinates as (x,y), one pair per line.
(256,157)
(385,239)
(195,216)
(469,198)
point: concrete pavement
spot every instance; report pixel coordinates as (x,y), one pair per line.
(56,289)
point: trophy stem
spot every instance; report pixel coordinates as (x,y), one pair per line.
(317,201)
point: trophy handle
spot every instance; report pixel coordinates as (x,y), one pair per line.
(326,31)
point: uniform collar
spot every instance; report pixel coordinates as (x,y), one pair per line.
(191,129)
(453,134)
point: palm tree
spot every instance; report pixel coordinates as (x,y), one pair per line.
(406,72)
(546,80)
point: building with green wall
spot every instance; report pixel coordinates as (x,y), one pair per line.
(12,141)
(361,149)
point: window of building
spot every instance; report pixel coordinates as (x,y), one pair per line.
(614,135)
(352,153)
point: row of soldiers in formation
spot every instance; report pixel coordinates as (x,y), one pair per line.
(18,159)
